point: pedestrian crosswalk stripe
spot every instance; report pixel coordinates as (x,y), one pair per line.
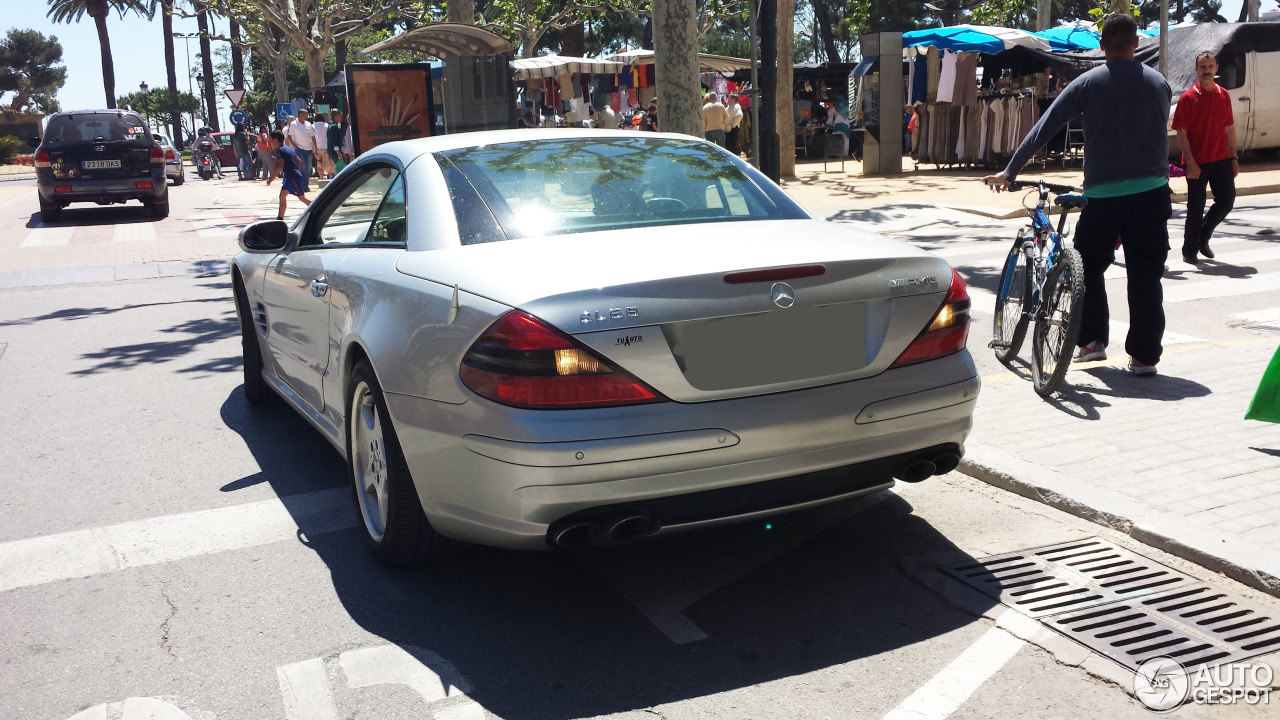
(1266,282)
(134,232)
(44,236)
(212,225)
(82,553)
(1269,318)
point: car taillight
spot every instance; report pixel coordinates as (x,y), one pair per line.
(523,362)
(170,155)
(41,159)
(946,333)
(157,154)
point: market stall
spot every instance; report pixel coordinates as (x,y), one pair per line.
(959,119)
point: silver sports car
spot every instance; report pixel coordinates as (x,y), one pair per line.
(535,339)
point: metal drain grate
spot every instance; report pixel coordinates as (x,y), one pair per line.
(1068,576)
(1196,625)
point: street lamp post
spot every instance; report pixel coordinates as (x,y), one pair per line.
(188,37)
(146,103)
(203,105)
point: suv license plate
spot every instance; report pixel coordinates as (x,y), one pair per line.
(100,164)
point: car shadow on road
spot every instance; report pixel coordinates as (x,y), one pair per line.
(97,215)
(564,634)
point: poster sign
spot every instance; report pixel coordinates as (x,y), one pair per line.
(389,103)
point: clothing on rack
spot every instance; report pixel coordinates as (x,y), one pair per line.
(933,63)
(966,92)
(947,79)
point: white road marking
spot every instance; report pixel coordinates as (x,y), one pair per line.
(1269,318)
(1265,282)
(213,225)
(948,690)
(44,236)
(306,691)
(394,665)
(134,232)
(81,553)
(1259,220)
(134,708)
(470,710)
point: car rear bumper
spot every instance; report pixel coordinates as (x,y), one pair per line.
(104,190)
(510,478)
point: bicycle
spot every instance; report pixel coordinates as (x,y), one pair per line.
(1042,280)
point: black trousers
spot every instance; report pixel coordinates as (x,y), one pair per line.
(1218,176)
(1141,221)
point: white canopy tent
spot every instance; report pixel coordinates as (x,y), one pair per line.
(706,62)
(548,66)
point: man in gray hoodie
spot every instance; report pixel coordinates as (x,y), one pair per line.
(1125,106)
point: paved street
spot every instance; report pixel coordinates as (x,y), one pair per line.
(167,552)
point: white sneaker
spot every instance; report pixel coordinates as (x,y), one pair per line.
(1138,368)
(1093,351)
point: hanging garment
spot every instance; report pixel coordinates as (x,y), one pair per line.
(953,135)
(566,86)
(947,80)
(920,84)
(975,134)
(632,97)
(584,82)
(911,74)
(962,134)
(933,62)
(578,107)
(983,142)
(997,127)
(552,89)
(966,92)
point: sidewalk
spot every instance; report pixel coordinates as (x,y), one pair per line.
(961,189)
(1168,459)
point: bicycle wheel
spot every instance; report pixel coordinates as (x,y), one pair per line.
(1009,327)
(1058,323)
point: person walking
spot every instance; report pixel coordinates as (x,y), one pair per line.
(240,144)
(301,136)
(714,120)
(1125,109)
(1207,134)
(288,165)
(607,117)
(321,129)
(334,134)
(266,156)
(733,125)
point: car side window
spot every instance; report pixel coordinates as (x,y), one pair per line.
(348,216)
(1231,71)
(389,226)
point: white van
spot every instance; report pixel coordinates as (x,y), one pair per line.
(1253,80)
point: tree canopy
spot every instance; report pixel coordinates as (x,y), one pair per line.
(31,68)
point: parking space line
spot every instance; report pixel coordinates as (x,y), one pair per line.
(82,553)
(949,689)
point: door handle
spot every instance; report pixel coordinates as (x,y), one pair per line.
(319,287)
(1243,99)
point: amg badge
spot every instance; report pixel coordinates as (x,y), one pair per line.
(926,283)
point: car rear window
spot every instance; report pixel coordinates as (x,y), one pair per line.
(99,127)
(551,187)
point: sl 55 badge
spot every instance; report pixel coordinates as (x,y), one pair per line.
(910,285)
(595,316)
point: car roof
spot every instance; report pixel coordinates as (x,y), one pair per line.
(104,111)
(407,150)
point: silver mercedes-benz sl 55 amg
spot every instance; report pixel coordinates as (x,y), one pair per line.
(540,338)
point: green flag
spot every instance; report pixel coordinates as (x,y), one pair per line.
(1266,401)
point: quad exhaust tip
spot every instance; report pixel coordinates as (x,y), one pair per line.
(922,469)
(629,528)
(576,535)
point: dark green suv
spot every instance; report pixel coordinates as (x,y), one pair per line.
(100,156)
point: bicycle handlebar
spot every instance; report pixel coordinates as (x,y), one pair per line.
(1040,184)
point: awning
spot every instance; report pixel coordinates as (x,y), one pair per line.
(973,38)
(706,62)
(444,40)
(546,66)
(1070,37)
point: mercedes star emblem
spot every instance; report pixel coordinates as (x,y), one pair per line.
(782,294)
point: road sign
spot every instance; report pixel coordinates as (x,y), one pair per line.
(284,110)
(235,96)
(238,116)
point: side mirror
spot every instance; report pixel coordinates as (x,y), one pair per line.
(266,237)
(33,142)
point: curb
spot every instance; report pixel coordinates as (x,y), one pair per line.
(18,176)
(1213,549)
(48,277)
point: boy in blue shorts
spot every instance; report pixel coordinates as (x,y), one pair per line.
(287,164)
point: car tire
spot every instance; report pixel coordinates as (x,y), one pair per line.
(256,392)
(396,528)
(50,213)
(160,207)
(182,177)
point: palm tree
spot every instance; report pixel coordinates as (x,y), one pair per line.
(69,11)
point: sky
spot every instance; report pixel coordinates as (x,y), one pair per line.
(138,50)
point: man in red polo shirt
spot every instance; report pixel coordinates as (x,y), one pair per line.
(1207,134)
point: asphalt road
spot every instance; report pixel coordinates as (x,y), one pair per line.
(167,552)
